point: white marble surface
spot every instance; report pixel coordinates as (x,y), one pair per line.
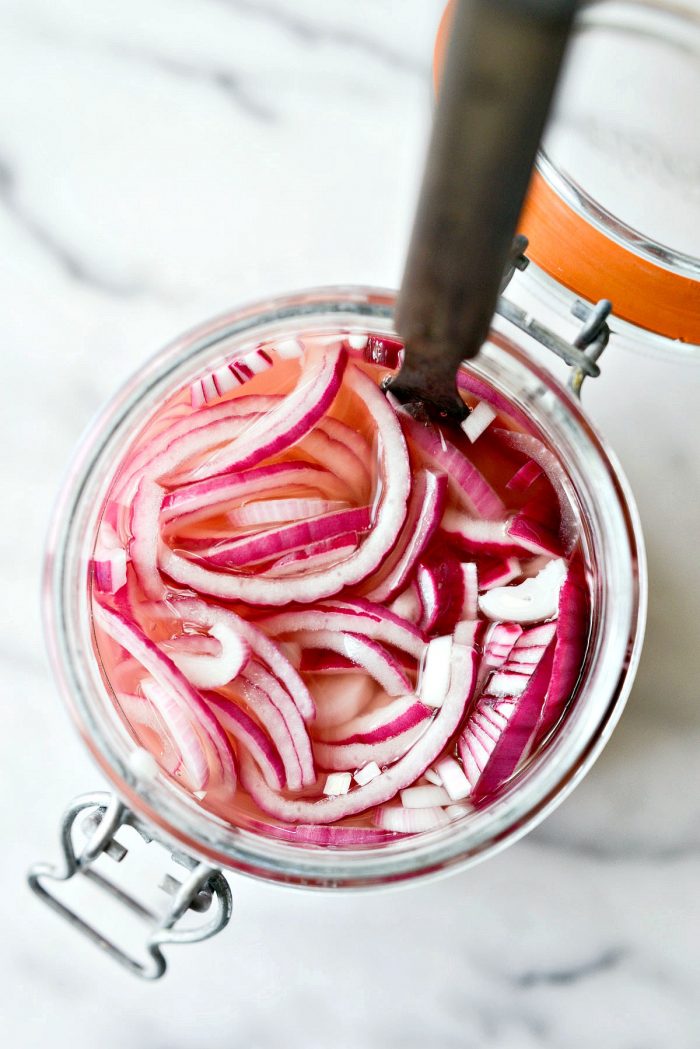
(161,160)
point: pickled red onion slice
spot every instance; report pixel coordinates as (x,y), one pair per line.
(467,483)
(274,542)
(550,465)
(288,422)
(425,508)
(205,670)
(380,725)
(268,652)
(109,561)
(201,498)
(237,723)
(376,661)
(354,616)
(182,731)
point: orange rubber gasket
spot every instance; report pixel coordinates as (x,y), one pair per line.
(641,292)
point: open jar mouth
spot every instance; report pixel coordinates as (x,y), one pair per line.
(611,535)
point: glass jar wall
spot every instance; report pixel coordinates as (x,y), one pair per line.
(612,542)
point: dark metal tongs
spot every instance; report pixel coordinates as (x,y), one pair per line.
(502,66)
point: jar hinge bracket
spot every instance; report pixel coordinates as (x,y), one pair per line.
(583,353)
(203,889)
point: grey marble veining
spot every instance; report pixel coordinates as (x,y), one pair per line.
(161,161)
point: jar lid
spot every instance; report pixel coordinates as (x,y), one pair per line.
(613,208)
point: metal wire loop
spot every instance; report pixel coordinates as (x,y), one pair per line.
(203,890)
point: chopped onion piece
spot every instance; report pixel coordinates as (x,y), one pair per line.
(532,535)
(367,773)
(499,731)
(242,727)
(265,649)
(507,683)
(354,617)
(286,423)
(480,537)
(424,797)
(256,547)
(453,779)
(571,634)
(470,590)
(315,556)
(532,600)
(217,383)
(466,482)
(172,683)
(409,821)
(428,586)
(480,417)
(273,721)
(435,672)
(190,502)
(425,507)
(143,547)
(170,450)
(337,783)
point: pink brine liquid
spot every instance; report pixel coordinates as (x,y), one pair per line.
(328,620)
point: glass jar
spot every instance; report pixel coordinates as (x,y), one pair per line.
(611,538)
(613,207)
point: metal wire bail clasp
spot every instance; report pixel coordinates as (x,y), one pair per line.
(592,338)
(204,889)
(583,353)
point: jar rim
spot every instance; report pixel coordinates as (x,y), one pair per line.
(177,819)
